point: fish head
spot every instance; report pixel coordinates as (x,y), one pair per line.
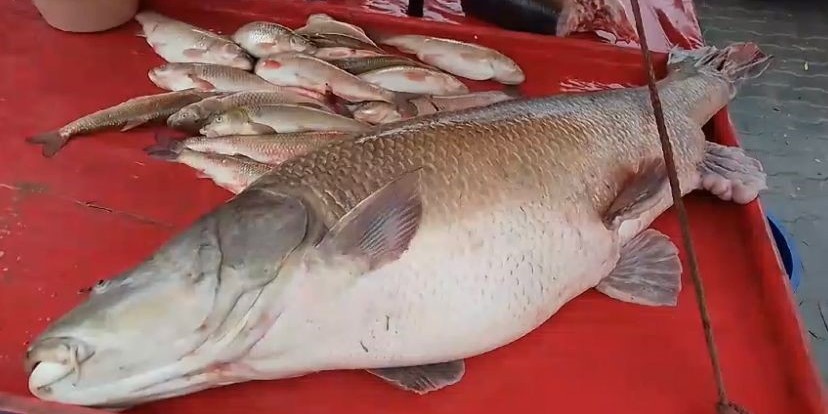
(173,76)
(376,112)
(177,322)
(226,123)
(230,54)
(187,118)
(507,71)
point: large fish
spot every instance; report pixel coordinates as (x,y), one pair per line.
(278,118)
(206,77)
(194,116)
(411,247)
(300,70)
(459,58)
(176,41)
(125,115)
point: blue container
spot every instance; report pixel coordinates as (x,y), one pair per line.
(787,250)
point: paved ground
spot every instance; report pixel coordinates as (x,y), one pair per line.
(782,118)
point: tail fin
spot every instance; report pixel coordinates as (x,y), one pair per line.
(735,63)
(593,15)
(52,142)
(165,148)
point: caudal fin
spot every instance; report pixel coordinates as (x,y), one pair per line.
(51,141)
(735,63)
(165,148)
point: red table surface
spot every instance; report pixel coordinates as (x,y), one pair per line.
(101,206)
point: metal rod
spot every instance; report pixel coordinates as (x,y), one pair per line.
(723,405)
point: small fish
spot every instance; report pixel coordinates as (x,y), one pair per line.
(176,41)
(382,112)
(300,70)
(458,58)
(271,149)
(125,115)
(411,79)
(194,116)
(231,172)
(283,118)
(321,23)
(206,77)
(265,38)
(359,65)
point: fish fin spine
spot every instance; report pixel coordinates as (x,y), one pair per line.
(647,273)
(735,63)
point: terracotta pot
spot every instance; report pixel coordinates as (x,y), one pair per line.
(86,15)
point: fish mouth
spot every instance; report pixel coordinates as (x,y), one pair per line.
(51,360)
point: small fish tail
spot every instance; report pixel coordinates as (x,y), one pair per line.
(51,141)
(165,148)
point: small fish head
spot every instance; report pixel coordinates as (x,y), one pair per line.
(172,76)
(298,43)
(232,55)
(186,118)
(376,113)
(177,322)
(226,123)
(506,70)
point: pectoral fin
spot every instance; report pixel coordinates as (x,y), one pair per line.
(648,272)
(422,379)
(379,229)
(639,193)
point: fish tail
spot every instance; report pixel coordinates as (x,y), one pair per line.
(51,141)
(165,148)
(735,63)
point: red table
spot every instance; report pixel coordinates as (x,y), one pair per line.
(101,206)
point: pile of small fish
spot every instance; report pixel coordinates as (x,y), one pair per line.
(267,93)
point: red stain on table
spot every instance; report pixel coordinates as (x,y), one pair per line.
(101,206)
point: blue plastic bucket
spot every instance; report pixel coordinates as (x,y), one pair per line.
(787,250)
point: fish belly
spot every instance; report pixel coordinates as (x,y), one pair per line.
(460,290)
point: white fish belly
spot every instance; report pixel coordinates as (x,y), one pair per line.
(460,290)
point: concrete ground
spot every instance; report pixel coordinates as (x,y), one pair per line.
(782,118)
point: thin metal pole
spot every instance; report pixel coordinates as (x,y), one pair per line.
(724,406)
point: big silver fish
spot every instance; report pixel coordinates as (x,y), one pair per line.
(265,38)
(206,77)
(407,249)
(125,115)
